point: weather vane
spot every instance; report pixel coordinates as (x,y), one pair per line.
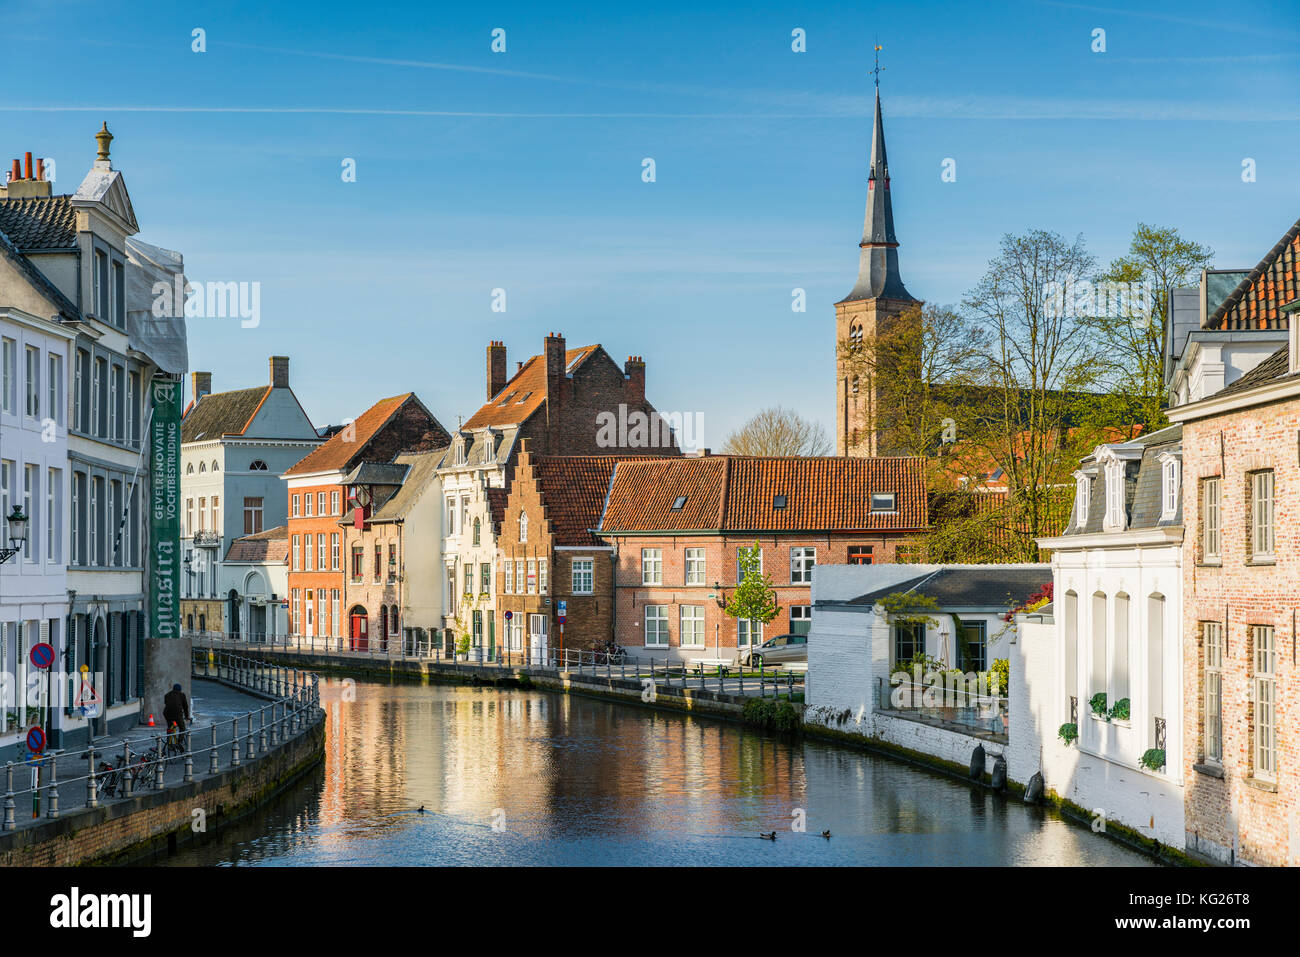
(878,68)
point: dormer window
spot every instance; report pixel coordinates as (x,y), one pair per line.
(883,502)
(523,398)
(1082,491)
(506,401)
(1115,495)
(1170,485)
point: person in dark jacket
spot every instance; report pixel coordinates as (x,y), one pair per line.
(176,708)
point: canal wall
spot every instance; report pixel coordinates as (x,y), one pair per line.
(122,830)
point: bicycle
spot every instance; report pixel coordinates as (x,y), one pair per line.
(174,746)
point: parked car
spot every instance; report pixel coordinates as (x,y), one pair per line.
(781,650)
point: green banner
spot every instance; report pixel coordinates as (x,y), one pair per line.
(164,507)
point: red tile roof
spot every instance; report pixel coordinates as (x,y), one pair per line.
(1257,301)
(347,444)
(271,545)
(573,490)
(525,392)
(737,494)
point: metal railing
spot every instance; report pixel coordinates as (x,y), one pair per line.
(762,681)
(942,704)
(295,701)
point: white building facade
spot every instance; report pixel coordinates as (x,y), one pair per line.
(1105,667)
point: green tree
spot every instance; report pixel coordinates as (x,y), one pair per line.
(754,599)
(1158,260)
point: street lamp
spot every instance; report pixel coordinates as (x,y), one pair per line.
(17,523)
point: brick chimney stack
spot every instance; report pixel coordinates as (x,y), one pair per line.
(279,372)
(554,355)
(634,369)
(496,367)
(202,384)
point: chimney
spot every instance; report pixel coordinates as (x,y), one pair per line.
(24,182)
(279,372)
(202,384)
(554,355)
(496,367)
(634,391)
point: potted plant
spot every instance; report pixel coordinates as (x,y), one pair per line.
(1153,759)
(1069,733)
(1120,710)
(462,647)
(1098,705)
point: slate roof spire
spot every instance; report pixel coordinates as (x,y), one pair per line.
(878,275)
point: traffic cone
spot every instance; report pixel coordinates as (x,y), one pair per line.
(151,721)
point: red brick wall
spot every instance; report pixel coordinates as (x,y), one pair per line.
(589,617)
(316,580)
(720,629)
(1238,814)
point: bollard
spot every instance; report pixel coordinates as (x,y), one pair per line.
(189,758)
(92,791)
(248,738)
(158,767)
(212,755)
(53,809)
(234,742)
(261,732)
(128,779)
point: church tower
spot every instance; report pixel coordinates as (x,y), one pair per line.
(878,297)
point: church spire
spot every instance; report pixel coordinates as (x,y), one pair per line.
(878,276)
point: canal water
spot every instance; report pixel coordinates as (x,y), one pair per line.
(523,777)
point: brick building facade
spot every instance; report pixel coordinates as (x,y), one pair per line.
(1241,567)
(319,501)
(548,554)
(677,526)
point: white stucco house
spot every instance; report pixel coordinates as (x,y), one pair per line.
(865,629)
(1106,659)
(255,569)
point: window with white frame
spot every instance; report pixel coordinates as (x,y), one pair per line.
(1169,487)
(451,516)
(656,626)
(1210,519)
(32,385)
(584,575)
(320,498)
(54,386)
(1115,495)
(1261,515)
(510,577)
(695,566)
(307,505)
(652,566)
(307,551)
(1264,731)
(523,526)
(297,554)
(334,502)
(884,502)
(334,551)
(321,560)
(800,619)
(802,561)
(740,569)
(295,507)
(692,626)
(542,576)
(532,576)
(1082,489)
(519,576)
(1212,655)
(748,632)
(8,376)
(53,516)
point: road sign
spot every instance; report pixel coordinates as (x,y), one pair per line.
(36,739)
(562,607)
(563,619)
(42,654)
(87,700)
(509,615)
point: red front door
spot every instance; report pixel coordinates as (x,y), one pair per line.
(360,632)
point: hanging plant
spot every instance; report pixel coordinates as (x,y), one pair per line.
(1069,732)
(1120,711)
(1153,759)
(1098,705)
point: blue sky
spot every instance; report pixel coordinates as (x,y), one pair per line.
(522,170)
